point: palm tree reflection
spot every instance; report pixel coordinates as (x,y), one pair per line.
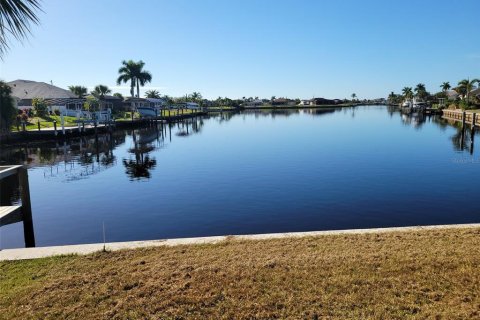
(140,167)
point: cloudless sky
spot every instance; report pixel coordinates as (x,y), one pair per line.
(239,48)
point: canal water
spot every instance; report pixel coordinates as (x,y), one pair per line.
(248,172)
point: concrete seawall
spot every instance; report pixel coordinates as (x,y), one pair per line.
(82,249)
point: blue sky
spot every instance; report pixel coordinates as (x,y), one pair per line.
(239,48)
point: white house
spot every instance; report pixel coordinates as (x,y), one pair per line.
(156,103)
(27,90)
(254,103)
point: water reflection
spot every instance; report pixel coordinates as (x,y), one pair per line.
(9,191)
(79,158)
(139,166)
(462,140)
(286,112)
(415,120)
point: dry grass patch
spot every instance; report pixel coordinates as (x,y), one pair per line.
(425,274)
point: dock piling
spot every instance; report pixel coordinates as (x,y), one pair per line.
(26,208)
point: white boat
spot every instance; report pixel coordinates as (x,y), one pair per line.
(188,105)
(419,104)
(153,108)
(406,104)
(148,112)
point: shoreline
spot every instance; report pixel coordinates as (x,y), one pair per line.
(295,107)
(16,137)
(85,249)
(429,273)
(71,132)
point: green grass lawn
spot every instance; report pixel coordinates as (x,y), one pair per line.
(47,122)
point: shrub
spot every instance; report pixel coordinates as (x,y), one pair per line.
(91,104)
(7,108)
(40,107)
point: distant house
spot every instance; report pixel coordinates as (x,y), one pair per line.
(279,102)
(282,101)
(452,94)
(323,101)
(305,102)
(111,102)
(26,90)
(254,103)
(475,93)
(156,103)
(207,103)
(131,103)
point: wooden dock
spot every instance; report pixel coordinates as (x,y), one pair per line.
(432,111)
(462,116)
(17,213)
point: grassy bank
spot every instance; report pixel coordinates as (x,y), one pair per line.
(423,274)
(46,122)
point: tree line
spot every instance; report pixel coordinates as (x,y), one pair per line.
(463,90)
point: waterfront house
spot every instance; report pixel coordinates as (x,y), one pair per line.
(207,103)
(55,97)
(132,103)
(304,103)
(475,93)
(323,101)
(254,103)
(110,102)
(279,102)
(156,103)
(452,94)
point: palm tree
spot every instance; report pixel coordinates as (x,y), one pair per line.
(16,16)
(445,86)
(407,92)
(152,94)
(118,95)
(354,96)
(391,97)
(79,91)
(196,96)
(467,85)
(133,72)
(168,99)
(420,90)
(127,73)
(100,91)
(143,77)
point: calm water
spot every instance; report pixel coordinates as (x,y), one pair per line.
(249,173)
